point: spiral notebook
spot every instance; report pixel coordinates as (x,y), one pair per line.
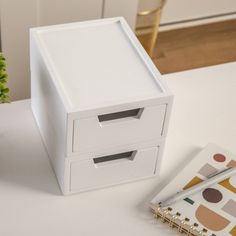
(211,212)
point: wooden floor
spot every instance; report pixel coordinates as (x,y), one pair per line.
(194,47)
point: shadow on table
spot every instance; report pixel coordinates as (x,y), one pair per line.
(23,160)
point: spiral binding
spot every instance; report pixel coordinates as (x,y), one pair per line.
(175,221)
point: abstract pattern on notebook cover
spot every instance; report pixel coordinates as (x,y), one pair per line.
(214,208)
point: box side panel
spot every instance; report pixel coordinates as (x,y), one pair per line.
(49,112)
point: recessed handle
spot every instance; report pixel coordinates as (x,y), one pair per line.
(134,113)
(119,157)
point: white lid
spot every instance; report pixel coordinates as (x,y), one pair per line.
(98,63)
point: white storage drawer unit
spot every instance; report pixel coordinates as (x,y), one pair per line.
(100,104)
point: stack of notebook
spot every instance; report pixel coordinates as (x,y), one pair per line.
(210,212)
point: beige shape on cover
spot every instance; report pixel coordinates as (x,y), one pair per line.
(210,219)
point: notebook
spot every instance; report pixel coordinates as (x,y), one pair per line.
(211,212)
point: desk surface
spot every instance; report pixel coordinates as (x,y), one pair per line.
(30,201)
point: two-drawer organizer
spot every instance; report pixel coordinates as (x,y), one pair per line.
(100,103)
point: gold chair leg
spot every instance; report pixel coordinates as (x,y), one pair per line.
(148,40)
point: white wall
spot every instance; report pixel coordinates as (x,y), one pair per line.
(64,11)
(182,10)
(196,13)
(125,8)
(16,19)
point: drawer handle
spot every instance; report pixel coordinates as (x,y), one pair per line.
(134,113)
(115,157)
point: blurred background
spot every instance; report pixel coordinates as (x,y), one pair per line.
(177,34)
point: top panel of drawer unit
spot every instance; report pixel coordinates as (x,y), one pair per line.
(98,64)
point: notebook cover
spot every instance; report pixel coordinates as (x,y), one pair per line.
(214,208)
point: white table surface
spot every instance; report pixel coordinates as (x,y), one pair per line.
(30,200)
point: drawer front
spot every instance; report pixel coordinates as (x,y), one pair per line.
(112,169)
(117,129)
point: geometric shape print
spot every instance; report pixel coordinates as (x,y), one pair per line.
(203,214)
(212,195)
(207,170)
(232,163)
(233,231)
(218,157)
(226,183)
(189,200)
(195,180)
(230,208)
(210,219)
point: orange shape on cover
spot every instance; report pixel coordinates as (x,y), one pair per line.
(210,219)
(219,157)
(232,163)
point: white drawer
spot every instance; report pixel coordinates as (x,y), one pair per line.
(118,129)
(112,169)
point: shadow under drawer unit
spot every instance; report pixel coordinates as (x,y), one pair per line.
(95,90)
